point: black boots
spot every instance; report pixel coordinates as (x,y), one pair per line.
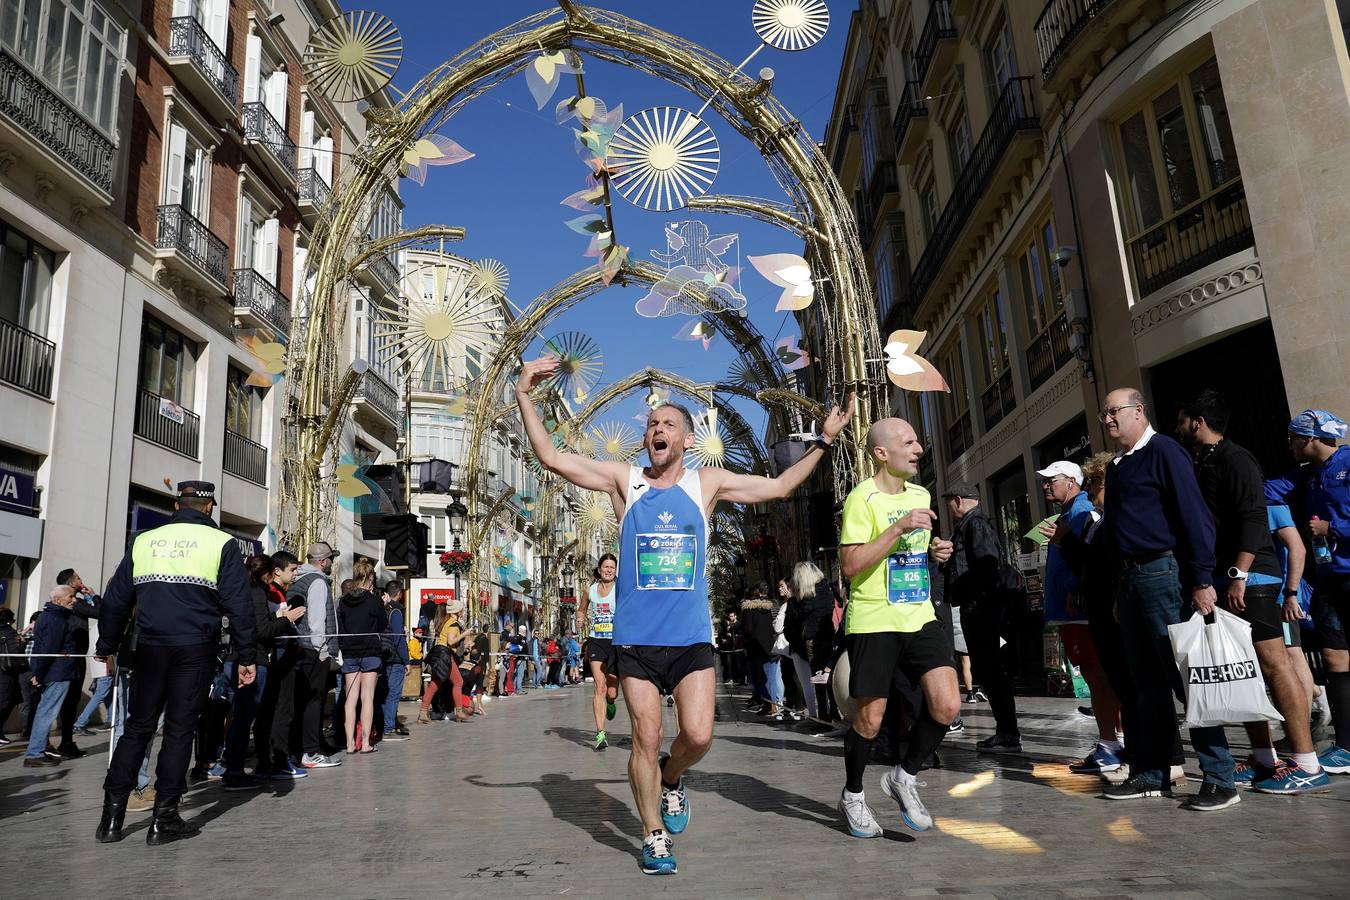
(109,829)
(166,826)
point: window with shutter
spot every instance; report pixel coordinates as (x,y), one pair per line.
(252,69)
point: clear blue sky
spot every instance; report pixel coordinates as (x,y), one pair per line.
(508,195)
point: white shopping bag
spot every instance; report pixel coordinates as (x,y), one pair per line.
(1219,668)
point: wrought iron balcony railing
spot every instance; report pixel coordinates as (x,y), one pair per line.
(56,125)
(912,106)
(1014,111)
(26,359)
(188,38)
(245,458)
(157,421)
(998,400)
(376,391)
(261,127)
(262,299)
(178,230)
(960,437)
(313,189)
(939,26)
(1049,352)
(1204,232)
(385,272)
(1059,25)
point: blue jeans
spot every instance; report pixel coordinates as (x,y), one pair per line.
(100,691)
(393,675)
(520,672)
(242,713)
(538,670)
(1149,599)
(48,708)
(773,681)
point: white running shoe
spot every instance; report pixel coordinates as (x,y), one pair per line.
(905,792)
(858,816)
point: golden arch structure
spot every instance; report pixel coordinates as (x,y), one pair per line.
(815,209)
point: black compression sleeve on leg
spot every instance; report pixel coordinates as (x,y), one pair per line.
(924,738)
(857,750)
(1338,695)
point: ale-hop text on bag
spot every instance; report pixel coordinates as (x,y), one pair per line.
(1239,671)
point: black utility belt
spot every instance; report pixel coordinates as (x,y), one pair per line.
(1144,559)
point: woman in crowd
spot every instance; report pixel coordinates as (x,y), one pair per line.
(757,616)
(443,663)
(811,631)
(361,621)
(473,668)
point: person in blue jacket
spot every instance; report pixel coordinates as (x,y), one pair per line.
(57,631)
(1320,487)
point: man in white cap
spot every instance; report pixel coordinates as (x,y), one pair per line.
(1062,486)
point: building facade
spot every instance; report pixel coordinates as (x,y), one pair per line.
(1074,196)
(161,164)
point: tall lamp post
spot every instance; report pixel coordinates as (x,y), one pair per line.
(565,590)
(456,513)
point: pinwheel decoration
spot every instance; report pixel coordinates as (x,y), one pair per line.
(352,56)
(710,443)
(430,330)
(436,150)
(745,373)
(791,355)
(662,156)
(617,441)
(596,512)
(906,369)
(492,277)
(791,273)
(545,72)
(580,364)
(790,24)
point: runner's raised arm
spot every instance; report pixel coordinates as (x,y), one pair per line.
(584,472)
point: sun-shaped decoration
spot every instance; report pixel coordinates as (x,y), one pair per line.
(432,324)
(353,56)
(710,444)
(580,364)
(662,156)
(596,512)
(745,373)
(618,441)
(492,277)
(791,24)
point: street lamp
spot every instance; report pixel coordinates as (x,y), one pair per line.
(739,567)
(456,513)
(565,589)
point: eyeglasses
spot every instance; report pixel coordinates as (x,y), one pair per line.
(1112,412)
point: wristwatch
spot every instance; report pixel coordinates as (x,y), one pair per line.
(1236,574)
(1288,592)
(823,444)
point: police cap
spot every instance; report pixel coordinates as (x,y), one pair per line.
(196,490)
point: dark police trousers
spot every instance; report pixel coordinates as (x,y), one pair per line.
(174,681)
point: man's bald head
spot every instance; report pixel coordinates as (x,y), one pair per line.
(895,446)
(885,430)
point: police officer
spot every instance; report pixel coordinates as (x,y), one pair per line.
(180,578)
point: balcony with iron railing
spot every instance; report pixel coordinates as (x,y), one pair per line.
(937,42)
(313,194)
(998,400)
(1069,35)
(27,359)
(912,107)
(375,393)
(266,138)
(157,421)
(1049,352)
(260,304)
(201,65)
(1201,233)
(53,136)
(848,126)
(190,250)
(960,437)
(245,458)
(380,272)
(1014,113)
(882,182)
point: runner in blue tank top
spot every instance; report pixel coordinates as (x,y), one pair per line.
(662,626)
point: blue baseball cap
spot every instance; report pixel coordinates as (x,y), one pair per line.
(1318,423)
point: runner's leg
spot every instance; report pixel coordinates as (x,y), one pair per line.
(942,700)
(695,701)
(643,700)
(599,695)
(1287,693)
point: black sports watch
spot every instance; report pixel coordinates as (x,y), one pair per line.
(1288,592)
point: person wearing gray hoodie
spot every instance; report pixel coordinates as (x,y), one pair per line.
(316,629)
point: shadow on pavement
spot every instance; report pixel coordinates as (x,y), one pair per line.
(760,796)
(12,805)
(586,739)
(580,802)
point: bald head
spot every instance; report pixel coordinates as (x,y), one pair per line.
(894,445)
(1125,417)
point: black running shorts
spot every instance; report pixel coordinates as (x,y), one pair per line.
(664,667)
(601,650)
(1262,611)
(873,657)
(1331,610)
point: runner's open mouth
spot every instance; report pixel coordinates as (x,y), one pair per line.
(659,444)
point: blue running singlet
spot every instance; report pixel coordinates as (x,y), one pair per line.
(662,586)
(602,612)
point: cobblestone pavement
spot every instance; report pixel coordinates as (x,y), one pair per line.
(516,804)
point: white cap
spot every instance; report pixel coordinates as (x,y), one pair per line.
(1062,467)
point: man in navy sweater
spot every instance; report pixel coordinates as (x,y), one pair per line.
(1163,534)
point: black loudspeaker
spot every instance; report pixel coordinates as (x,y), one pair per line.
(406,543)
(786,453)
(820,521)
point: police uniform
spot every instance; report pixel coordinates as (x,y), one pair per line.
(177,581)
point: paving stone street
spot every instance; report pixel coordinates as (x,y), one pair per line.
(516,804)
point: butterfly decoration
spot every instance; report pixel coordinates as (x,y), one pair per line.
(436,150)
(697,330)
(587,198)
(583,109)
(790,353)
(593,140)
(269,359)
(791,273)
(545,71)
(356,491)
(906,369)
(612,262)
(457,406)
(655,397)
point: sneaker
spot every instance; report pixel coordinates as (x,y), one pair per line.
(858,817)
(1137,787)
(216,771)
(1335,760)
(197,774)
(1251,770)
(674,805)
(1098,761)
(142,799)
(601,741)
(796,715)
(905,792)
(1290,779)
(821,677)
(70,751)
(86,731)
(956,727)
(52,753)
(394,737)
(40,762)
(4,741)
(1212,798)
(974,695)
(670,700)
(319,761)
(658,854)
(611,710)
(240,781)
(289,772)
(1000,743)
(1086,712)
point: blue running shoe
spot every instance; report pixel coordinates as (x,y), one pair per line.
(1251,770)
(1099,760)
(1335,759)
(289,772)
(675,808)
(216,771)
(1290,779)
(658,854)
